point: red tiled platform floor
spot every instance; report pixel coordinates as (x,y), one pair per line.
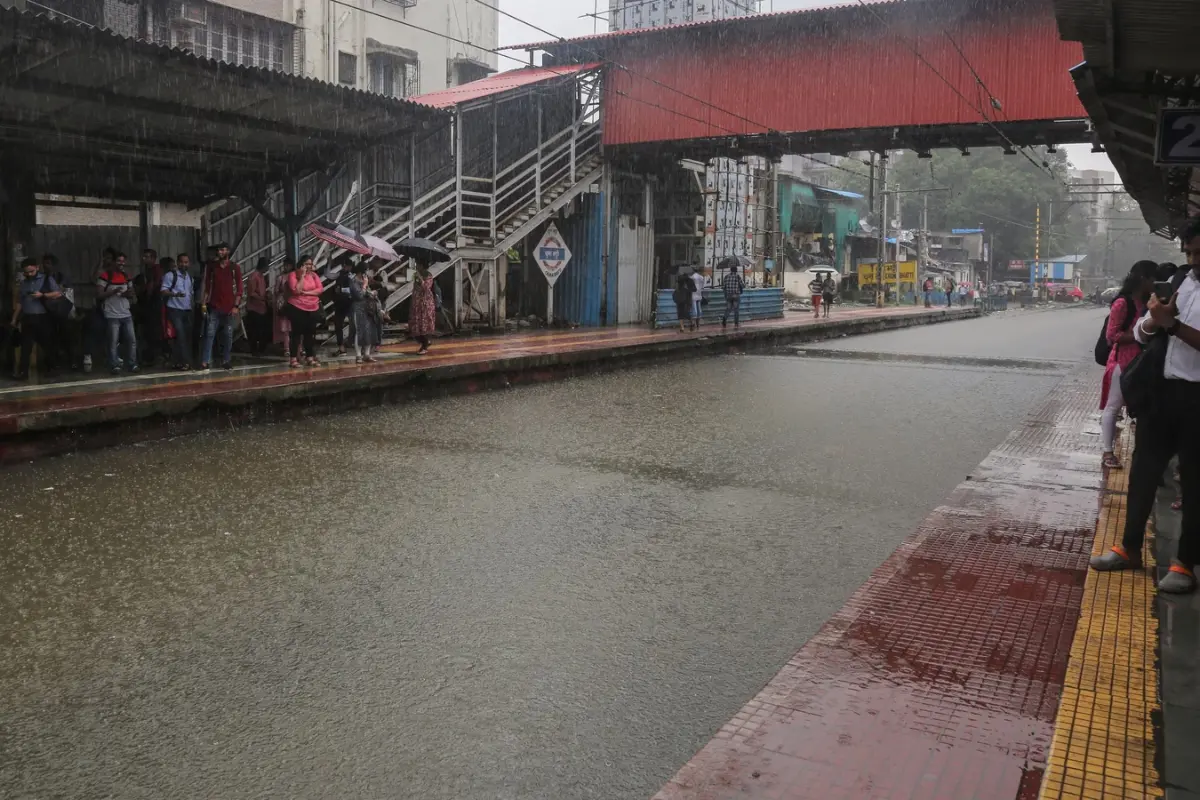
(21,404)
(941,676)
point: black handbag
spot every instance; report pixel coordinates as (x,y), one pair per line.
(1142,381)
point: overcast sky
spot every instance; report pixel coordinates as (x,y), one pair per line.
(565,18)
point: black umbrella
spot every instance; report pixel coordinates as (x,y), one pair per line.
(423,250)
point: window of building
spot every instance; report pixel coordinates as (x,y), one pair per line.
(347,69)
(392,75)
(223,34)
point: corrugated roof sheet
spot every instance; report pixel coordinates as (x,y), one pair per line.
(498,83)
(963,231)
(731,22)
(839,192)
(103,114)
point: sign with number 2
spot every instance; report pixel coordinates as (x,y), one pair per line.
(1178,136)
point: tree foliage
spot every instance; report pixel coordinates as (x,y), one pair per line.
(987,189)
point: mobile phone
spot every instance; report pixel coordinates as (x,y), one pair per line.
(1164,290)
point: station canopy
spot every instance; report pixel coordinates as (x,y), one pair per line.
(96,114)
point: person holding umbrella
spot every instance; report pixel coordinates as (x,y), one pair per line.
(422,312)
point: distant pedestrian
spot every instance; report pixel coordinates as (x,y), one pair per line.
(422,310)
(304,310)
(283,325)
(360,295)
(684,289)
(732,286)
(258,312)
(697,297)
(150,308)
(220,301)
(114,293)
(1126,309)
(949,291)
(928,288)
(178,289)
(343,306)
(828,292)
(816,292)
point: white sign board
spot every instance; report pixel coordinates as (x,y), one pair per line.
(552,254)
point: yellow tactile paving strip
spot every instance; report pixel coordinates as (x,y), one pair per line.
(1104,737)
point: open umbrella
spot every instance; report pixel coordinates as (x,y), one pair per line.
(423,250)
(363,244)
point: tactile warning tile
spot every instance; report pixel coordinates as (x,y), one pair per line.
(1104,738)
(941,677)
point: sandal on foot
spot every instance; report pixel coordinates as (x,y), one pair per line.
(1110,461)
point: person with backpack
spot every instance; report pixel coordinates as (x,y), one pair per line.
(1162,387)
(177,290)
(114,294)
(949,291)
(220,300)
(1117,347)
(37,324)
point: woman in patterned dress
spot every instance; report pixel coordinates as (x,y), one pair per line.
(422,311)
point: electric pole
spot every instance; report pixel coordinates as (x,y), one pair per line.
(879,285)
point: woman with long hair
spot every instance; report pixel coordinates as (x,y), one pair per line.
(304,310)
(1127,308)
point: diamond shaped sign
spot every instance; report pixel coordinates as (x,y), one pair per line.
(552,254)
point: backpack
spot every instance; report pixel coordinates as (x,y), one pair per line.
(1103,348)
(58,307)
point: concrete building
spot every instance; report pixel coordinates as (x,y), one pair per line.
(373,45)
(1096,191)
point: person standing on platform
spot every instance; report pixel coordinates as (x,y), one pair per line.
(816,292)
(283,326)
(1126,309)
(422,310)
(178,290)
(1169,427)
(114,293)
(949,291)
(828,292)
(732,286)
(682,296)
(37,324)
(304,309)
(220,299)
(928,289)
(697,297)
(258,314)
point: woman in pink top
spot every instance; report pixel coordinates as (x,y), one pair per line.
(304,310)
(283,325)
(1124,312)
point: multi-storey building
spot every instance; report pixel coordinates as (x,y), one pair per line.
(399,48)
(1095,191)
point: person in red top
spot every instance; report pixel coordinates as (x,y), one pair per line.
(304,310)
(220,298)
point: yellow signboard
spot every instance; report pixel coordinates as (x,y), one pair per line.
(908,273)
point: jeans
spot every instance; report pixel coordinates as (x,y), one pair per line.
(225,321)
(697,311)
(36,329)
(181,345)
(1173,428)
(733,304)
(121,330)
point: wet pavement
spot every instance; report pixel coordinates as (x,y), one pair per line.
(561,591)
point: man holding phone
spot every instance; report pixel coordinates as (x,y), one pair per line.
(1173,427)
(114,291)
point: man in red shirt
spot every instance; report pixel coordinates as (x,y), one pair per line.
(220,298)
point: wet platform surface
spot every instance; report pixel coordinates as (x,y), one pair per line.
(76,404)
(942,676)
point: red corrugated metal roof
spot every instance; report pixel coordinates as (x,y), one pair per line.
(501,82)
(844,78)
(731,22)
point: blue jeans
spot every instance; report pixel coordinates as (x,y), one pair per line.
(181,345)
(121,330)
(733,304)
(697,311)
(216,318)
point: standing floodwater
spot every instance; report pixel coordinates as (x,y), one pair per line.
(553,592)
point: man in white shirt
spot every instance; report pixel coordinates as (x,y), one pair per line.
(1173,427)
(697,297)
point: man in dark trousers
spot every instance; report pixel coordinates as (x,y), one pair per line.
(1170,427)
(37,324)
(220,299)
(949,291)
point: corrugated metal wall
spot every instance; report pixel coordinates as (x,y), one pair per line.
(756,304)
(841,78)
(580,287)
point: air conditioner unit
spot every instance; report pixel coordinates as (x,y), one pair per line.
(191,13)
